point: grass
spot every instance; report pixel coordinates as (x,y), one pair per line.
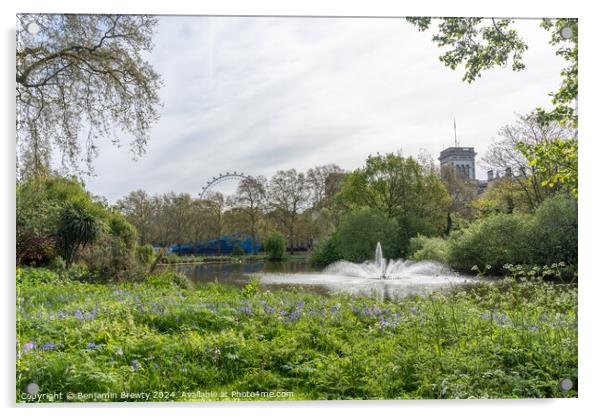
(173,343)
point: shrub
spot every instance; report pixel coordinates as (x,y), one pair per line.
(361,230)
(493,241)
(325,252)
(555,237)
(78,226)
(146,254)
(238,250)
(110,259)
(167,279)
(425,248)
(275,245)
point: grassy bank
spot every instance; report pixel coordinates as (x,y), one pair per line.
(502,340)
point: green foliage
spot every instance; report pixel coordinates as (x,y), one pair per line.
(168,279)
(402,189)
(480,44)
(555,232)
(274,245)
(361,230)
(326,252)
(496,340)
(494,241)
(477,45)
(546,237)
(146,254)
(40,201)
(504,196)
(238,250)
(425,248)
(251,289)
(557,162)
(57,217)
(78,225)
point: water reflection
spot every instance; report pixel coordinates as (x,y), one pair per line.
(299,275)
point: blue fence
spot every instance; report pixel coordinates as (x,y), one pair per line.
(223,245)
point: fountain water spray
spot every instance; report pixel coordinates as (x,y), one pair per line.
(381,268)
(380,261)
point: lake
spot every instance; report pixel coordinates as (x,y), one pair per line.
(300,275)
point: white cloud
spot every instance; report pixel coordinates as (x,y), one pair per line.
(262,94)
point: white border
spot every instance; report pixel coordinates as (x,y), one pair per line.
(590,215)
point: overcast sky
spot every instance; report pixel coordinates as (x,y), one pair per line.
(265,94)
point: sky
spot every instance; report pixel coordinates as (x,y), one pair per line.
(262,94)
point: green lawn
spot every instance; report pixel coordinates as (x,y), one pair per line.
(173,343)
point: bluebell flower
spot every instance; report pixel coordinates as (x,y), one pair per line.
(135,364)
(533,328)
(78,314)
(29,346)
(47,346)
(93,346)
(156,366)
(413,310)
(60,315)
(246,310)
(486,315)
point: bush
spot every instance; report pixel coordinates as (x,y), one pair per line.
(274,245)
(361,230)
(555,237)
(493,241)
(79,225)
(238,250)
(326,252)
(146,254)
(110,259)
(167,279)
(425,248)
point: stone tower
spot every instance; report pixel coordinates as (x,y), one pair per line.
(462,158)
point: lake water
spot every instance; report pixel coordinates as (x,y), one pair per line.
(300,275)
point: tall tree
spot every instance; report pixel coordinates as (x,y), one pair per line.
(251,199)
(289,196)
(215,205)
(80,78)
(319,179)
(400,188)
(505,156)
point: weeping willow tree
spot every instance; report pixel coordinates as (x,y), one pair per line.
(80,79)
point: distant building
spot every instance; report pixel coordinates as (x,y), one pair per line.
(461,158)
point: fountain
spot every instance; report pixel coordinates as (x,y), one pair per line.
(385,278)
(381,268)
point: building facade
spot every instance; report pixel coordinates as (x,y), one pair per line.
(462,159)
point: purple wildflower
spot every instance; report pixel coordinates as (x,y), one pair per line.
(533,328)
(93,346)
(78,314)
(156,366)
(29,346)
(48,346)
(135,364)
(414,311)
